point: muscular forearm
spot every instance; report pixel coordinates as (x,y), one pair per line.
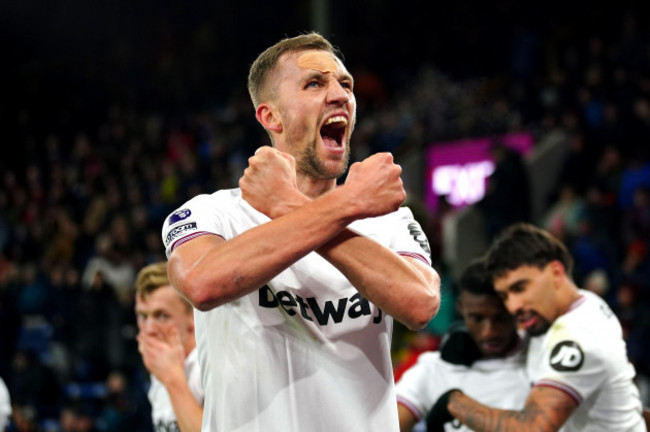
(189,414)
(406,290)
(546,417)
(223,271)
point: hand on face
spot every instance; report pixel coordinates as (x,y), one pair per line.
(269,183)
(162,354)
(376,185)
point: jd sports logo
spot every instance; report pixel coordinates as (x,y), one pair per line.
(419,236)
(354,307)
(567,356)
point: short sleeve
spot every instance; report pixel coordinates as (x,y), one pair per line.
(573,365)
(409,238)
(421,385)
(197,217)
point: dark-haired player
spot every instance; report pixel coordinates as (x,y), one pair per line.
(485,357)
(576,360)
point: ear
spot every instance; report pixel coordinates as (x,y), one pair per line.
(557,268)
(558,272)
(268,117)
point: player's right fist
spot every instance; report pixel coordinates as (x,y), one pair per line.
(269,183)
(376,186)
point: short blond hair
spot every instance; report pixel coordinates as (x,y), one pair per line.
(152,277)
(266,62)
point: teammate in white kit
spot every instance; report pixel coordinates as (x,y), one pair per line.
(5,405)
(297,280)
(485,359)
(168,348)
(577,359)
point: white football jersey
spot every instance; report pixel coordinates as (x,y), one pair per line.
(162,411)
(497,382)
(305,352)
(584,354)
(5,405)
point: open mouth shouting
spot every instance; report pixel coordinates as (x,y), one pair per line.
(333,133)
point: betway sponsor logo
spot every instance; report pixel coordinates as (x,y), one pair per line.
(309,308)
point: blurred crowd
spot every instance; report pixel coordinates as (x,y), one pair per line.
(83,201)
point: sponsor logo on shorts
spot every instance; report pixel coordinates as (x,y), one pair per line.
(310,309)
(567,356)
(179,215)
(178,231)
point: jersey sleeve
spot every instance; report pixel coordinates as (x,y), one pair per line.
(574,364)
(421,385)
(197,217)
(409,238)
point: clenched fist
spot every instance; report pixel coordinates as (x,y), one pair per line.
(376,186)
(269,183)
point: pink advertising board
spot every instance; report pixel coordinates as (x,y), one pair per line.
(460,170)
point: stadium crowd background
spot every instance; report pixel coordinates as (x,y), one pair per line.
(113,114)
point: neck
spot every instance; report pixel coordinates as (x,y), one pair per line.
(568,295)
(313,188)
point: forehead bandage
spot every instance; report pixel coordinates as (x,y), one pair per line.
(321,61)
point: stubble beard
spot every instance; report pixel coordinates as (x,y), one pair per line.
(310,164)
(541,328)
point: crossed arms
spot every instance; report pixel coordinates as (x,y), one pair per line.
(211,271)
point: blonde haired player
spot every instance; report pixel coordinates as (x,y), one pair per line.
(167,345)
(296,280)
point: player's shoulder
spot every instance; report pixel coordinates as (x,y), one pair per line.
(589,326)
(589,315)
(429,359)
(402,213)
(428,364)
(202,203)
(219,197)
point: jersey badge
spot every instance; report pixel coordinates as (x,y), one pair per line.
(567,356)
(179,215)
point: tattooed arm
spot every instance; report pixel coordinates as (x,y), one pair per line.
(546,410)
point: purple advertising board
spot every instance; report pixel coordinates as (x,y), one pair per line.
(460,170)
